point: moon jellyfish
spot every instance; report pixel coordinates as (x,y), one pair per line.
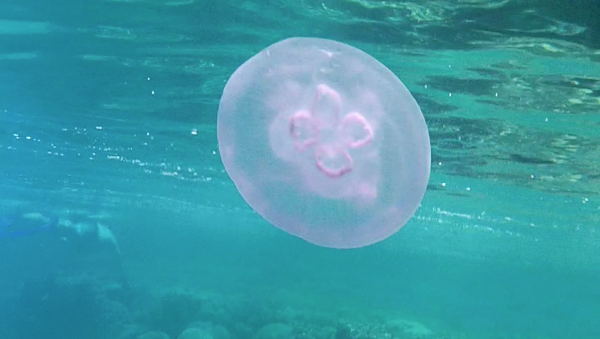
(324,142)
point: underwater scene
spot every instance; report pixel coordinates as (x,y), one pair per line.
(300,169)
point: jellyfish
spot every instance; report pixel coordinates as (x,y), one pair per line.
(324,142)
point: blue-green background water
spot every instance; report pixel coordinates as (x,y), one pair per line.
(109,108)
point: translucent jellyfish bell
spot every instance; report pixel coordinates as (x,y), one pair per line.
(324,142)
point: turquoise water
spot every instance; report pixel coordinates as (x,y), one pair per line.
(108,113)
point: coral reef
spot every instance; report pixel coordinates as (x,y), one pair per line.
(70,308)
(274,331)
(174,312)
(195,333)
(67,307)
